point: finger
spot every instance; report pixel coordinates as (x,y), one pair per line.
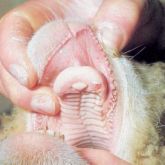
(100,157)
(40,100)
(16,29)
(116,21)
(44,47)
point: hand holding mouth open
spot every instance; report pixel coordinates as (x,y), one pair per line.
(114,22)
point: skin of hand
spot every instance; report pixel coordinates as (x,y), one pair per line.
(115,19)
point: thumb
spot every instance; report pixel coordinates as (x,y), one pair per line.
(116,21)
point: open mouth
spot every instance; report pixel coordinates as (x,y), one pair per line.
(85,85)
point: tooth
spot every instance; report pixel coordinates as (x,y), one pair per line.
(79,86)
(60,136)
(43,132)
(50,132)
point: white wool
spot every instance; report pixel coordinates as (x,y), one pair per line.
(135,117)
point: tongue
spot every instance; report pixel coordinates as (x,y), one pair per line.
(80,79)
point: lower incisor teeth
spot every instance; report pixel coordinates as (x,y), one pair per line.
(46,132)
(51,133)
(55,134)
(43,132)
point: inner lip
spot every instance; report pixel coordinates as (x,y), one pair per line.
(86,119)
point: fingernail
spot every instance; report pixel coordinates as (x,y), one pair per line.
(42,103)
(20,73)
(110,35)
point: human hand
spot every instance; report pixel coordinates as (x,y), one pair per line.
(18,80)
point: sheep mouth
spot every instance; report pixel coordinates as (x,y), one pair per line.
(87,92)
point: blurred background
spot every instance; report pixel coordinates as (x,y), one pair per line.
(6,5)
